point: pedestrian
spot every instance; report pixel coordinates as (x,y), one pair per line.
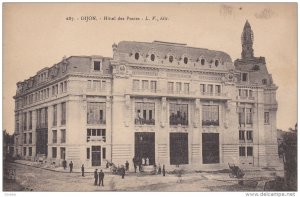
(64,164)
(164,170)
(71,166)
(147,161)
(134,164)
(96,177)
(143,161)
(159,169)
(123,172)
(82,170)
(127,166)
(101,177)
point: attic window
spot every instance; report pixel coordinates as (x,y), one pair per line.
(171,59)
(217,63)
(136,56)
(202,61)
(185,60)
(244,76)
(152,57)
(97,65)
(264,81)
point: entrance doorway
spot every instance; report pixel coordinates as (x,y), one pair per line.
(96,155)
(210,148)
(179,148)
(145,146)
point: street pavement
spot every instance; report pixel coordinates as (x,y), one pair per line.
(37,179)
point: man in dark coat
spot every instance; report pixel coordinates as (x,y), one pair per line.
(71,166)
(123,172)
(134,164)
(96,176)
(64,164)
(164,170)
(82,170)
(127,166)
(101,177)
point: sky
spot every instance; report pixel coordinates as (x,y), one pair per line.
(38,35)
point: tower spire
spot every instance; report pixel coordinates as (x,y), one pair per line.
(247,41)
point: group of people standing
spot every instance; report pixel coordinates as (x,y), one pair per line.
(99,178)
(70,165)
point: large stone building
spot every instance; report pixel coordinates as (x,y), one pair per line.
(168,102)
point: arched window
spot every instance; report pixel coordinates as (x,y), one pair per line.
(217,63)
(171,58)
(136,56)
(152,57)
(202,61)
(185,60)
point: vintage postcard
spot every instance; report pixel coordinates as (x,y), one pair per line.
(163,97)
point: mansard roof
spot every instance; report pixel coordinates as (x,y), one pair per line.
(163,49)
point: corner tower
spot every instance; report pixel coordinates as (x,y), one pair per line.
(247,42)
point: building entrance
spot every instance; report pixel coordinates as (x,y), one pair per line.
(145,146)
(179,151)
(210,148)
(96,155)
(42,141)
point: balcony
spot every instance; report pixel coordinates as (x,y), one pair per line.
(246,98)
(144,122)
(96,121)
(96,139)
(210,122)
(177,122)
(143,92)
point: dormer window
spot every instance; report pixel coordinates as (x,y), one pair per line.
(97,65)
(202,61)
(264,81)
(152,57)
(136,56)
(171,58)
(216,63)
(185,60)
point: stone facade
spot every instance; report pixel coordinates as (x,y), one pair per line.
(170,103)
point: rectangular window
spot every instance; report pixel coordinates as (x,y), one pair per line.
(250,151)
(250,136)
(104,153)
(153,86)
(210,115)
(30,138)
(210,89)
(244,76)
(24,151)
(170,87)
(248,116)
(25,138)
(97,85)
(145,84)
(242,136)
(242,151)
(65,86)
(54,136)
(97,65)
(54,123)
(89,84)
(202,88)
(178,87)
(144,113)
(61,87)
(96,113)
(96,135)
(63,136)
(241,115)
(25,121)
(178,114)
(88,150)
(63,113)
(218,89)
(103,87)
(56,89)
(30,151)
(62,152)
(186,88)
(267,118)
(136,84)
(54,152)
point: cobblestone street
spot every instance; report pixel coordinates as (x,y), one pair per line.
(37,179)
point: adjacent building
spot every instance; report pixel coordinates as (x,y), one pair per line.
(168,102)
